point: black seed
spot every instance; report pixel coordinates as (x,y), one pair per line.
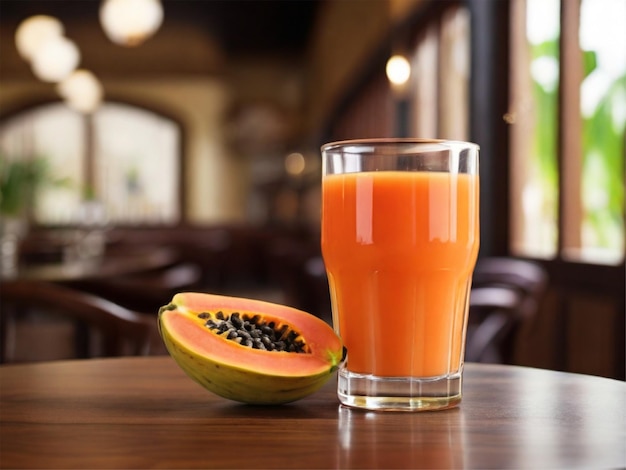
(232,334)
(236,321)
(256,333)
(252,331)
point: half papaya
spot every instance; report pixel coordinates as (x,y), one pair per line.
(249,350)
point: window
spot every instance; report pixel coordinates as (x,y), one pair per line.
(440,78)
(569,116)
(126,158)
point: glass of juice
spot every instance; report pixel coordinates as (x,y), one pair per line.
(400,237)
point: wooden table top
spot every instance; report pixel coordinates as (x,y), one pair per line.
(145,413)
(112,264)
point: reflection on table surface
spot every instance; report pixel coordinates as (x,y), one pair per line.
(145,413)
(109,263)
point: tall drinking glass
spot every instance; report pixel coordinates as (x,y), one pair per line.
(400,236)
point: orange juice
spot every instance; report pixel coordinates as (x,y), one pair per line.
(399,249)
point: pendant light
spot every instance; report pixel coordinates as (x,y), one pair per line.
(82,91)
(398,70)
(55,59)
(130,22)
(34,31)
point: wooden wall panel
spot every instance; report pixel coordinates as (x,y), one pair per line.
(590,340)
(576,332)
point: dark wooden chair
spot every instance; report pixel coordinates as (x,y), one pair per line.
(102,328)
(144,292)
(506,292)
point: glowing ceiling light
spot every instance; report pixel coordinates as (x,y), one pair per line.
(130,22)
(34,31)
(81,91)
(55,59)
(398,70)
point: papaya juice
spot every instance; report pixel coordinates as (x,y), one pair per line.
(399,248)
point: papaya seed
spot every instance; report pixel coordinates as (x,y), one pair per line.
(236,321)
(252,331)
(255,333)
(232,333)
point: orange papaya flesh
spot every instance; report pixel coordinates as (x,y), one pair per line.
(237,371)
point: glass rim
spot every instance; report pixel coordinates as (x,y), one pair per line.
(386,141)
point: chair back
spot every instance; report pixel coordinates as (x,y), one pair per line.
(121,331)
(505,293)
(147,291)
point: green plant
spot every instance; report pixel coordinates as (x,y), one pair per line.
(602,143)
(19,181)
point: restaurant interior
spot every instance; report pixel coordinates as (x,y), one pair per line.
(159,146)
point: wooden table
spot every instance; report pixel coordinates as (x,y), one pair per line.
(112,264)
(145,413)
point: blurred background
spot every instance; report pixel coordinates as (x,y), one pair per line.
(153,146)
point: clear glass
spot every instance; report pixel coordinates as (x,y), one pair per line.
(400,237)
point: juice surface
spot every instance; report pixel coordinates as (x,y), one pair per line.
(399,248)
